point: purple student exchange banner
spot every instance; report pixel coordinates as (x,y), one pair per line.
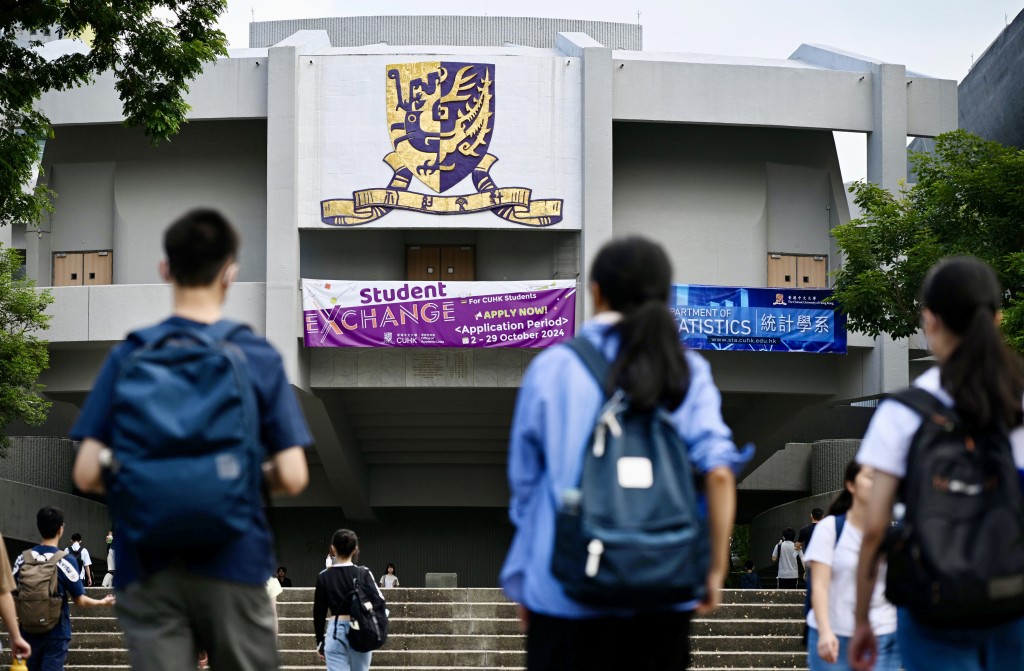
(758,319)
(343,313)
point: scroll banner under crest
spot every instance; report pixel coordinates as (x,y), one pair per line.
(512,204)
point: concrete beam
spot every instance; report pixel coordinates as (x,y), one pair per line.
(338,451)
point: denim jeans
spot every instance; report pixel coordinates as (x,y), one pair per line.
(928,648)
(888,653)
(339,656)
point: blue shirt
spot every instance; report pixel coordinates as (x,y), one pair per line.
(68,583)
(554,417)
(248,559)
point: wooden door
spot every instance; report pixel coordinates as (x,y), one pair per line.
(781,270)
(423,263)
(67,269)
(97,268)
(458,263)
(812,272)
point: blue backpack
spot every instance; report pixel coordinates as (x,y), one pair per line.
(631,535)
(186,469)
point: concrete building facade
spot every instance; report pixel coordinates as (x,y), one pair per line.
(724,160)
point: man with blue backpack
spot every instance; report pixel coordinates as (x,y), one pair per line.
(189,424)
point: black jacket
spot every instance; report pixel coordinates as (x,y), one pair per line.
(334,593)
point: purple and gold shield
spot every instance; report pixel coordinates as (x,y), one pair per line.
(440,117)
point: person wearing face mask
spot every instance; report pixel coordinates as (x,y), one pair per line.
(108,578)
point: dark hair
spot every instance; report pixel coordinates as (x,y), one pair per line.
(76,537)
(390,565)
(749,565)
(984,377)
(788,534)
(49,520)
(635,277)
(198,245)
(817,514)
(844,501)
(345,542)
(281,568)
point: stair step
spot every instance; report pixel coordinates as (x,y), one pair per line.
(477,630)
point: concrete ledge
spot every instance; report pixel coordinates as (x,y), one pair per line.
(442,580)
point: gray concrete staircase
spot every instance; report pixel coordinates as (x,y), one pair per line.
(476,629)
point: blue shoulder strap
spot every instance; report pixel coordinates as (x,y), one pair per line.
(840,523)
(593,359)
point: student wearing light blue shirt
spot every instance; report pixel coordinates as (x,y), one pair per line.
(554,417)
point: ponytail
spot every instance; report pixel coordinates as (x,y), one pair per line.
(844,500)
(984,377)
(634,276)
(650,366)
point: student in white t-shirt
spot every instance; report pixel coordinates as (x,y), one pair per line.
(788,557)
(979,376)
(833,571)
(389,579)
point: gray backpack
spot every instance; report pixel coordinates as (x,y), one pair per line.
(38,602)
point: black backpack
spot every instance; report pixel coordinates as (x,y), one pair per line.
(958,559)
(631,536)
(77,554)
(368,629)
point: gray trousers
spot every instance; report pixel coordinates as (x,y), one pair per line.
(172,615)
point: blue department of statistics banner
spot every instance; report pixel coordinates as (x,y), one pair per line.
(761,320)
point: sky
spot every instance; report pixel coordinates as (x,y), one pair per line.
(940,38)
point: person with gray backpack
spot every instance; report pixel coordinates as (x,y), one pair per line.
(47,577)
(621,472)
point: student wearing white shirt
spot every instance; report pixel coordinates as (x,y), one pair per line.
(788,556)
(983,380)
(833,571)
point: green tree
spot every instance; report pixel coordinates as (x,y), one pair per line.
(153,57)
(23,355)
(968,199)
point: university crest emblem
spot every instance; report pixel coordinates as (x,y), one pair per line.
(440,119)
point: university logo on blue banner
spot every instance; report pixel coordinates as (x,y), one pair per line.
(758,319)
(440,118)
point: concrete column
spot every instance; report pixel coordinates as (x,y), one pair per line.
(596,152)
(284,306)
(887,141)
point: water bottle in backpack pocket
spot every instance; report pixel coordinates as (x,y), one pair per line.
(187,456)
(631,535)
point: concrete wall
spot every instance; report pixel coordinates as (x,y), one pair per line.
(373,254)
(109,312)
(229,88)
(19,504)
(471,542)
(494,31)
(992,94)
(116,191)
(720,198)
